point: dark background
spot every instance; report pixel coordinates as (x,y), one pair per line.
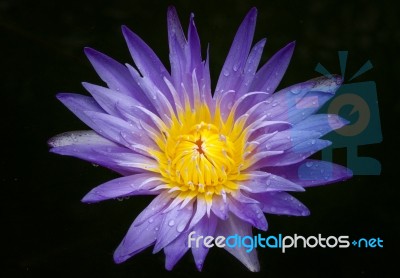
(46,230)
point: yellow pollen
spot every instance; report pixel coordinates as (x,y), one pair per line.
(200,154)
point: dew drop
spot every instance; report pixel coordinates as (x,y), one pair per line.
(274,104)
(304,213)
(151,220)
(235,67)
(226,73)
(313,141)
(309,164)
(171,223)
(180,228)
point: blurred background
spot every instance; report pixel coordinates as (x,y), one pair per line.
(45,227)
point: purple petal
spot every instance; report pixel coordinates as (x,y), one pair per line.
(248,76)
(249,212)
(114,157)
(201,210)
(297,102)
(177,46)
(138,238)
(322,123)
(270,75)
(77,104)
(293,155)
(147,61)
(79,137)
(267,130)
(111,100)
(233,225)
(281,203)
(205,84)
(313,172)
(287,139)
(264,182)
(220,207)
(116,76)
(237,56)
(163,106)
(156,206)
(194,48)
(138,184)
(175,250)
(205,227)
(120,131)
(174,223)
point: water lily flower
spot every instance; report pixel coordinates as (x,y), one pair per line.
(215,161)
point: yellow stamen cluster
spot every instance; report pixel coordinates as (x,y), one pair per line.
(200,154)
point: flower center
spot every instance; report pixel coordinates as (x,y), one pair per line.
(202,159)
(200,154)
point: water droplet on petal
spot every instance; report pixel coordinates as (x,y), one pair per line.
(226,73)
(171,223)
(309,164)
(151,220)
(180,228)
(235,67)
